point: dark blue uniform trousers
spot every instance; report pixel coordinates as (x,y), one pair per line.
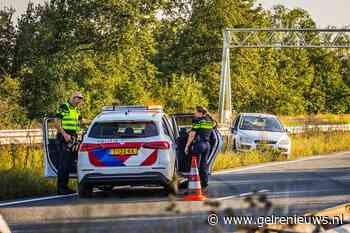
(201,150)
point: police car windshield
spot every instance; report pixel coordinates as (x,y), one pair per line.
(124,129)
(258,123)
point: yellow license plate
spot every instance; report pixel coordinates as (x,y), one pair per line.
(124,151)
(264,146)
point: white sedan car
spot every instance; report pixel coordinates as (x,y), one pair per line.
(255,131)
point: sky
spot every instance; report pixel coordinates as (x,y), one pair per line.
(19,5)
(324,12)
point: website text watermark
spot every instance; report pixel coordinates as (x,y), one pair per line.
(260,221)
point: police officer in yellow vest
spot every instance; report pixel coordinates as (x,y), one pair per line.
(68,127)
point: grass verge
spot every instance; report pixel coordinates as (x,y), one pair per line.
(24,183)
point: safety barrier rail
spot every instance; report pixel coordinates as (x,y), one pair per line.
(34,136)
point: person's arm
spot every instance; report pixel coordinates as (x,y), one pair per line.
(57,123)
(191,136)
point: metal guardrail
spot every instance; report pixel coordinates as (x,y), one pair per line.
(22,136)
(321,128)
(35,136)
(306,128)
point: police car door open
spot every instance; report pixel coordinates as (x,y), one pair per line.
(51,149)
(183,122)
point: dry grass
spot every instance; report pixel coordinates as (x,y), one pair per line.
(319,143)
(302,146)
(22,157)
(234,160)
(320,119)
(21,172)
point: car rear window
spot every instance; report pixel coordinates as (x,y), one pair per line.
(123,129)
(184,121)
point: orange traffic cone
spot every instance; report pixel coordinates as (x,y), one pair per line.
(194,184)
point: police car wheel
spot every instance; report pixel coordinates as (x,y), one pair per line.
(84,191)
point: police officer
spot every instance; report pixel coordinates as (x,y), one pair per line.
(202,127)
(67,127)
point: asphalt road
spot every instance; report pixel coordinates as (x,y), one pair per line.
(293,187)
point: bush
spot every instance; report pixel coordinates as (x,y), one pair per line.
(183,94)
(17,183)
(23,166)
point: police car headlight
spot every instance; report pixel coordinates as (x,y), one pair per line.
(245,139)
(284,142)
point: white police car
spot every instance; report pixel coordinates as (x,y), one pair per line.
(127,145)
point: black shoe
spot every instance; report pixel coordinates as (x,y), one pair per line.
(65,191)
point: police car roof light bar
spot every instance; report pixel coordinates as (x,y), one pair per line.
(131,108)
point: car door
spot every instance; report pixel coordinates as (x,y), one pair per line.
(182,123)
(51,149)
(234,131)
(168,130)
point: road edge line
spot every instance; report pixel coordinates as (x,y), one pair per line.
(4,204)
(246,168)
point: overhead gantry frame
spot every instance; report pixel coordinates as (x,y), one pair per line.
(280,38)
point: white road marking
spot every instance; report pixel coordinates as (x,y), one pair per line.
(246,194)
(277,194)
(254,181)
(270,164)
(36,199)
(264,191)
(239,195)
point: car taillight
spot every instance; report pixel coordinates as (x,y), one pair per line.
(89,147)
(163,145)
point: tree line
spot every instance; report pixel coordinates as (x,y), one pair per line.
(164,52)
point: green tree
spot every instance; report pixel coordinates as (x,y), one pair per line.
(12,114)
(195,31)
(66,45)
(183,94)
(7,41)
